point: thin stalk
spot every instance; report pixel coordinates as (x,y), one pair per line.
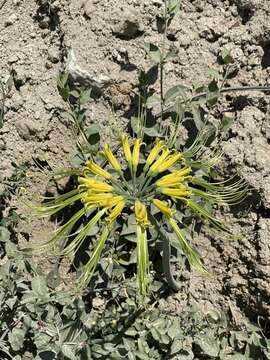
(161,65)
(166,256)
(221,91)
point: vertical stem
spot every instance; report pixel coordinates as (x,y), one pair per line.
(161,65)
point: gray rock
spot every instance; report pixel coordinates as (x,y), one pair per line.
(11,20)
(53,55)
(88,9)
(129,25)
(83,77)
(27,129)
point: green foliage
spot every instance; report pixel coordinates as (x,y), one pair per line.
(88,136)
(40,322)
(5,88)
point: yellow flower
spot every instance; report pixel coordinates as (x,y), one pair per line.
(126,148)
(153,154)
(176,193)
(115,212)
(94,185)
(170,161)
(97,170)
(136,153)
(159,161)
(97,199)
(110,157)
(173,179)
(164,208)
(141,214)
(114,200)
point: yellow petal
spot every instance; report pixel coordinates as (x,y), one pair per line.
(136,153)
(141,214)
(153,153)
(174,192)
(97,170)
(126,148)
(111,158)
(115,212)
(159,161)
(114,200)
(170,161)
(163,207)
(95,185)
(97,199)
(174,179)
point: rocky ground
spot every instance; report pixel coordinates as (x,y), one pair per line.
(101,44)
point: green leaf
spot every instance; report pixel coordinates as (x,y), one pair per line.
(226,123)
(173,7)
(16,338)
(42,340)
(153,52)
(85,96)
(68,352)
(227,57)
(152,101)
(208,345)
(93,134)
(175,91)
(53,279)
(39,286)
(47,355)
(4,234)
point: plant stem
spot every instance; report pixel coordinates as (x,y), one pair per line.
(166,264)
(162,62)
(225,90)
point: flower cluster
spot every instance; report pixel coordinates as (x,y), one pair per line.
(162,178)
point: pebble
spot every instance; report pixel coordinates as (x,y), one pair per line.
(11,20)
(27,128)
(53,55)
(88,9)
(129,25)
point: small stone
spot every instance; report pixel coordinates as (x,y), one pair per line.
(27,128)
(88,9)
(16,101)
(3,144)
(53,55)
(11,20)
(129,25)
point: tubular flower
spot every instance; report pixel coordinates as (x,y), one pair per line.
(115,212)
(97,170)
(168,181)
(164,208)
(153,169)
(169,162)
(107,152)
(141,214)
(176,193)
(174,179)
(94,185)
(97,199)
(136,153)
(153,154)
(126,148)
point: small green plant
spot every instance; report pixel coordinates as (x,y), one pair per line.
(5,88)
(160,188)
(155,184)
(40,322)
